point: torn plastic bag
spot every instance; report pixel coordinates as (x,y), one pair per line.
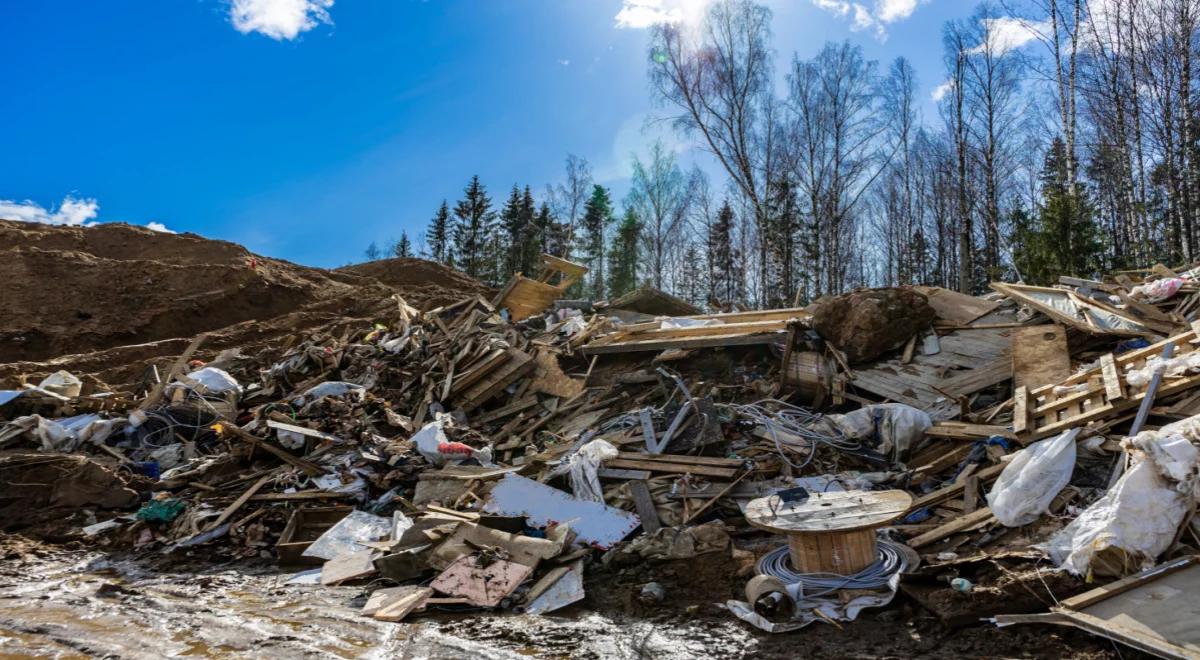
(892,429)
(62,383)
(68,433)
(1032,479)
(583,464)
(329,388)
(432,443)
(216,380)
(349,535)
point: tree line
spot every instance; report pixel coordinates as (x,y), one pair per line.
(1063,142)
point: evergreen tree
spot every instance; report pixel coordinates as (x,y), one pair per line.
(373,253)
(438,235)
(623,256)
(783,228)
(597,215)
(403,247)
(550,233)
(515,230)
(531,242)
(693,279)
(724,280)
(1063,240)
(473,231)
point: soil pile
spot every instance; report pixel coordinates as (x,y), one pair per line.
(73,292)
(424,284)
(867,323)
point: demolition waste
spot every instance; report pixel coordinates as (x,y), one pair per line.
(398,439)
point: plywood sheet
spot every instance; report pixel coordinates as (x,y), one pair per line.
(1040,355)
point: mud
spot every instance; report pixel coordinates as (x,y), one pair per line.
(75,603)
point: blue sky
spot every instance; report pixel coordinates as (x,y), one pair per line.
(304,129)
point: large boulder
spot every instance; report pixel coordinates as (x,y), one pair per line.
(867,323)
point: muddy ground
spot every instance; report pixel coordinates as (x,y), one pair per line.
(78,602)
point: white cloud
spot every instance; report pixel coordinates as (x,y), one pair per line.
(565,62)
(942,90)
(641,14)
(159,227)
(874,16)
(1007,33)
(72,211)
(279,19)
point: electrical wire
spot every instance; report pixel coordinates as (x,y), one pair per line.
(892,559)
(796,422)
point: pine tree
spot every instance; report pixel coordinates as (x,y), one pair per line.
(515,232)
(403,247)
(531,243)
(597,215)
(1064,240)
(473,231)
(783,228)
(623,256)
(373,253)
(550,233)
(693,283)
(724,280)
(438,235)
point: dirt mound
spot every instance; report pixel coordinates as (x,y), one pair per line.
(867,323)
(76,290)
(424,284)
(34,485)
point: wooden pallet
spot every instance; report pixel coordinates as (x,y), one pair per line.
(1041,413)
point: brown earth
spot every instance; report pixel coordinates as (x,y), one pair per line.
(867,323)
(105,300)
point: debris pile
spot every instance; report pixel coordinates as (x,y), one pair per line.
(984,457)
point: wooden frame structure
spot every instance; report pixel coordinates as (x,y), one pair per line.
(1096,394)
(525,297)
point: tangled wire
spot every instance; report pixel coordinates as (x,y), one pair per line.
(796,423)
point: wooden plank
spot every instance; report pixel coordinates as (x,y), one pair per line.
(672,468)
(241,500)
(736,339)
(1040,355)
(1114,387)
(1020,410)
(977,517)
(644,505)
(679,458)
(946,492)
(1098,594)
(623,475)
(955,307)
(177,368)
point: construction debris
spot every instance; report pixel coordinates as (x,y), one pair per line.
(497,453)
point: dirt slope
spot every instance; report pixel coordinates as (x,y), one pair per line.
(425,284)
(73,291)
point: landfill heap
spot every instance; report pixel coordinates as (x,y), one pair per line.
(997,457)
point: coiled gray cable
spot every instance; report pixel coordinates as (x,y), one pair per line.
(892,560)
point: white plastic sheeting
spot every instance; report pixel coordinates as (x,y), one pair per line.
(1139,516)
(217,381)
(349,535)
(594,523)
(897,427)
(583,464)
(1032,479)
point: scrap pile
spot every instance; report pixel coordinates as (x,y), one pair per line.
(488,453)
